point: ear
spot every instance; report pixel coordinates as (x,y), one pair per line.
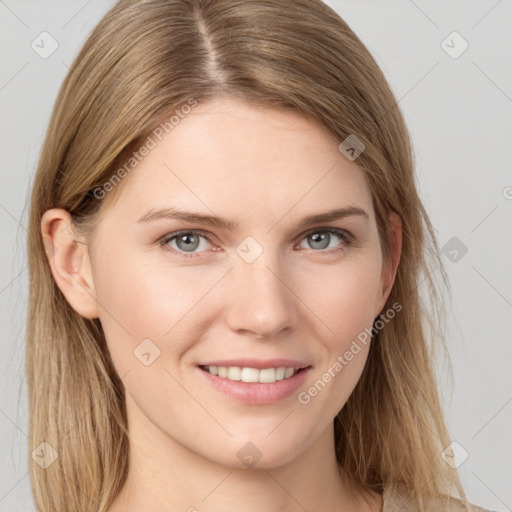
(69,262)
(390,267)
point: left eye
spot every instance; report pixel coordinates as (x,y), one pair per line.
(189,241)
(321,238)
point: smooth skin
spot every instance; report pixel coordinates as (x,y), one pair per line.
(263,169)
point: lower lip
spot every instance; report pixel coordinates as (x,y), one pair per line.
(256,393)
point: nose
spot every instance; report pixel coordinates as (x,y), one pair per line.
(262,303)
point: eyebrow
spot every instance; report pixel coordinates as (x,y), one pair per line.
(221,223)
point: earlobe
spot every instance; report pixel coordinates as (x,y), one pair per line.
(69,262)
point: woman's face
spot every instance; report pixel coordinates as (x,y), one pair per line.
(260,286)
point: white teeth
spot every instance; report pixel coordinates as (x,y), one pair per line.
(268,375)
(280,372)
(250,375)
(265,376)
(234,373)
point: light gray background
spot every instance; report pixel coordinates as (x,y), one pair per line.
(459,113)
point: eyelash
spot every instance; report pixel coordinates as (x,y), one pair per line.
(347,238)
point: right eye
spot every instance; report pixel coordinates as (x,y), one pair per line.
(185,242)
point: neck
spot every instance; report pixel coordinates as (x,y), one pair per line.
(165,475)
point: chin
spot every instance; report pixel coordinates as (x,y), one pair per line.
(255,452)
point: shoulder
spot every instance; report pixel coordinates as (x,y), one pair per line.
(401,499)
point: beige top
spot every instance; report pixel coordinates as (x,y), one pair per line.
(404,501)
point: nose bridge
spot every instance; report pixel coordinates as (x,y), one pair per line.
(261,302)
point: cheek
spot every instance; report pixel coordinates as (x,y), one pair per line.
(345,302)
(142,300)
(343,296)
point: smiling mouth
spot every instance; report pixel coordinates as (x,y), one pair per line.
(255,375)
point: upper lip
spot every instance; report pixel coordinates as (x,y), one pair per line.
(258,363)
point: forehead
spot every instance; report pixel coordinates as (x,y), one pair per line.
(236,159)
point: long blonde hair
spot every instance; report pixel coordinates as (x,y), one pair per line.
(143,60)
